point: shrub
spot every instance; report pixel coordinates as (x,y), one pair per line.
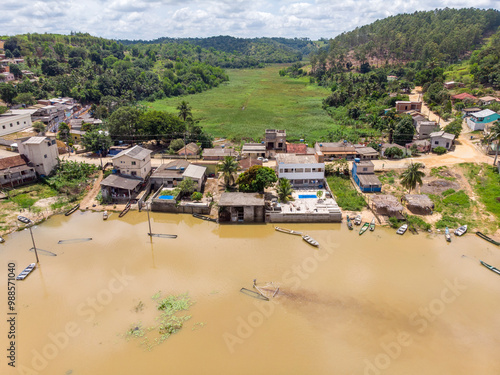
(394,152)
(439,150)
(196,196)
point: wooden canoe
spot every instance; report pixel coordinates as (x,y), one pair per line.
(288,231)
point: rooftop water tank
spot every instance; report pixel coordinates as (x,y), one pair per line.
(357,160)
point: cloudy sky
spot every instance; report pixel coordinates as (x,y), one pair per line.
(150,19)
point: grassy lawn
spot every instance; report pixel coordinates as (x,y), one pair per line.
(345,194)
(257,99)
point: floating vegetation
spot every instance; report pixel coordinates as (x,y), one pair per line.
(197,326)
(168,322)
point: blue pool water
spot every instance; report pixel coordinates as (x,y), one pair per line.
(302,196)
(166,197)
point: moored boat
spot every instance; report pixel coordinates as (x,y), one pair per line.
(1,239)
(349,223)
(105,215)
(364,228)
(461,230)
(288,231)
(447,234)
(310,240)
(206,218)
(402,229)
(26,272)
(372,225)
(73,209)
(491,268)
(485,237)
(357,220)
(23,219)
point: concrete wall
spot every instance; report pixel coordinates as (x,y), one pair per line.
(159,206)
(14,123)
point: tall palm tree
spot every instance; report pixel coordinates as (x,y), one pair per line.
(412,176)
(228,167)
(184,110)
(284,189)
(495,136)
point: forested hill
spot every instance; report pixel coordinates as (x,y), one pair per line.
(442,34)
(241,52)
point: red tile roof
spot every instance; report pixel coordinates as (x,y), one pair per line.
(296,148)
(12,161)
(463,96)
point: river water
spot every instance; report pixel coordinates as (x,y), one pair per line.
(372,304)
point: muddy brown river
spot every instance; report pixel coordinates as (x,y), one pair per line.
(372,304)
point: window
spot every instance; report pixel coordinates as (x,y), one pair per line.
(18,123)
(133,163)
(365,169)
(45,156)
(299,170)
(436,142)
(11,125)
(3,126)
(281,170)
(320,169)
(308,170)
(133,173)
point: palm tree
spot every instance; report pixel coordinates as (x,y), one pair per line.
(184,110)
(412,176)
(495,136)
(284,189)
(228,167)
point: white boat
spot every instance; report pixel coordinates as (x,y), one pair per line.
(1,239)
(372,225)
(26,272)
(402,229)
(310,240)
(105,215)
(357,220)
(461,230)
(288,231)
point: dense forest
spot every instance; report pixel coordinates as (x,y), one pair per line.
(442,35)
(231,52)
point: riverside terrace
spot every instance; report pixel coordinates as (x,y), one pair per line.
(306,208)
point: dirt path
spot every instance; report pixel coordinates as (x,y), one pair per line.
(416,95)
(90,198)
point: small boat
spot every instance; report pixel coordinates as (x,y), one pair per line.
(105,215)
(310,240)
(349,223)
(73,209)
(402,229)
(202,217)
(357,220)
(288,231)
(372,225)
(125,210)
(491,268)
(364,228)
(253,294)
(485,237)
(1,239)
(26,272)
(447,234)
(23,219)
(461,230)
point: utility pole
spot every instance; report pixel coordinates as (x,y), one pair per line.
(149,220)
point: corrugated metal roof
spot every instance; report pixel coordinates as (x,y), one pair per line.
(194,171)
(136,152)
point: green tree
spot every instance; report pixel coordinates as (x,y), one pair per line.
(97,141)
(228,166)
(177,144)
(16,70)
(3,109)
(256,179)
(454,127)
(187,186)
(124,122)
(39,127)
(7,92)
(412,176)
(404,131)
(25,98)
(284,189)
(63,132)
(184,111)
(196,196)
(495,136)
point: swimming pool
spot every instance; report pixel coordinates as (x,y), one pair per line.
(166,197)
(304,196)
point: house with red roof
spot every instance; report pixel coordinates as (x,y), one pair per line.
(464,96)
(14,171)
(296,148)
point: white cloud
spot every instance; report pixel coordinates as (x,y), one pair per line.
(149,19)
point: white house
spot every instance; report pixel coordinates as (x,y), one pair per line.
(41,152)
(15,120)
(135,161)
(441,139)
(481,120)
(301,170)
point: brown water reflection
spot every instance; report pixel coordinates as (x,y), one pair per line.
(372,304)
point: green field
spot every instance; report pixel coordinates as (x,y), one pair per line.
(257,99)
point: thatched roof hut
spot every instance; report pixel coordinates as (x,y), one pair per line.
(419,203)
(387,205)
